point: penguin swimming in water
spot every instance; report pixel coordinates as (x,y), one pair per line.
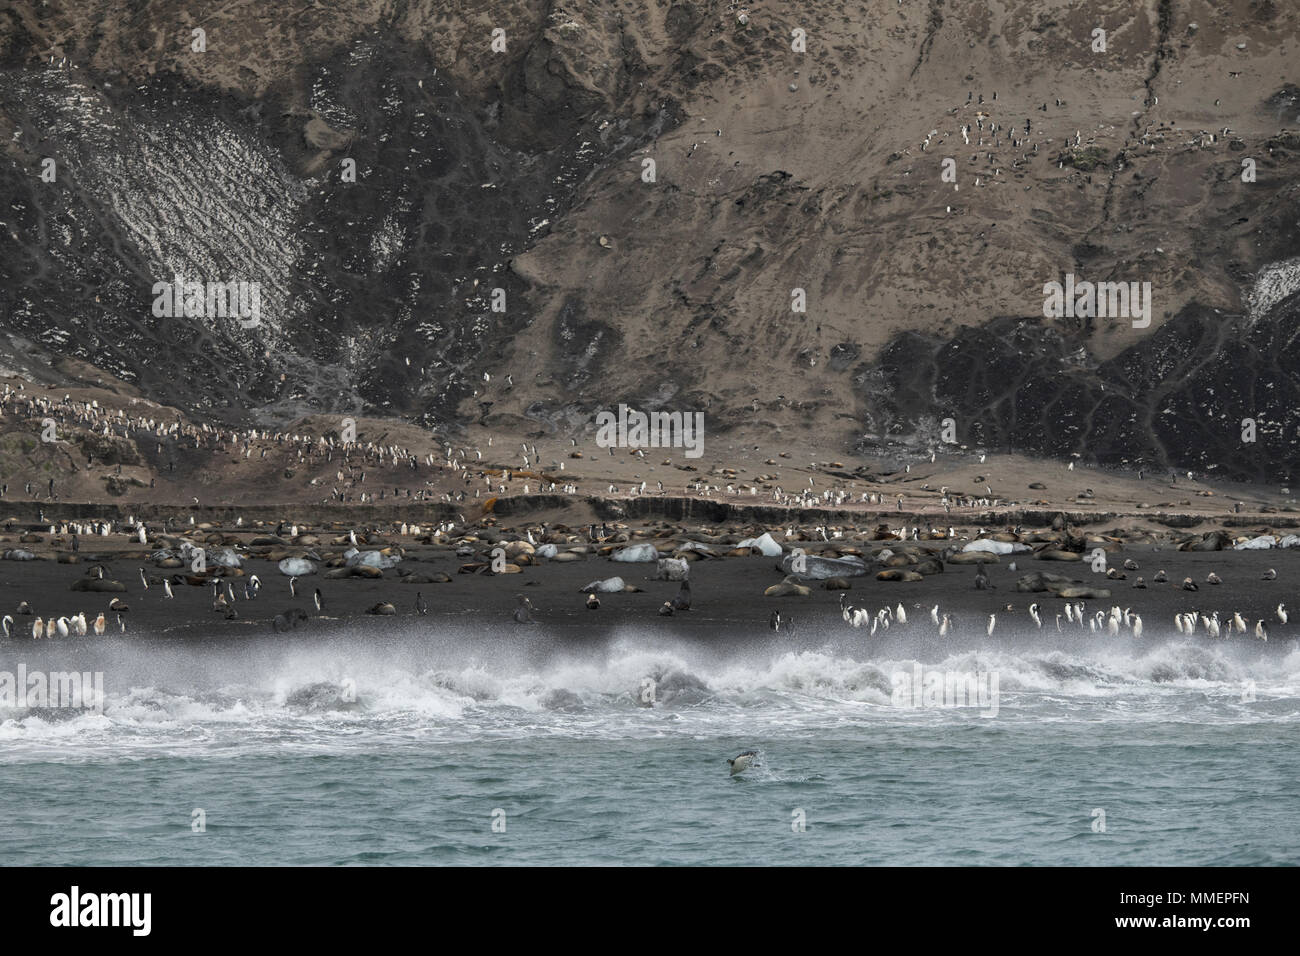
(741,762)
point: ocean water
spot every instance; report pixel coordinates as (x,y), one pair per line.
(428,744)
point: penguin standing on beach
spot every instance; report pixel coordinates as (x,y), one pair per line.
(421,606)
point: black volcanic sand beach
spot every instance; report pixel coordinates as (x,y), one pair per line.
(728,604)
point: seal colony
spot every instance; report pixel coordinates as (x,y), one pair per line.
(155,579)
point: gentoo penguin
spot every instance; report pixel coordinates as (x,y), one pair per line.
(317,601)
(144,579)
(682,602)
(1281,613)
(7,623)
(1160,577)
(421,606)
(1270,575)
(1212,578)
(293,586)
(593,602)
(1033,612)
(1189,585)
(522,612)
(666,609)
(774,622)
(167,587)
(741,762)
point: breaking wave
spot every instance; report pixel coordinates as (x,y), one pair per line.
(337,694)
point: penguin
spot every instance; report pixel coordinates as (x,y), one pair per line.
(167,588)
(1189,585)
(316,599)
(1160,577)
(522,612)
(742,761)
(421,606)
(774,622)
(1281,613)
(100,625)
(593,602)
(1213,578)
(682,602)
(293,587)
(1261,631)
(1270,575)
(7,623)
(144,579)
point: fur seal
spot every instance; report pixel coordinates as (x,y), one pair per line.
(741,762)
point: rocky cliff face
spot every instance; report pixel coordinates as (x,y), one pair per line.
(655,187)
